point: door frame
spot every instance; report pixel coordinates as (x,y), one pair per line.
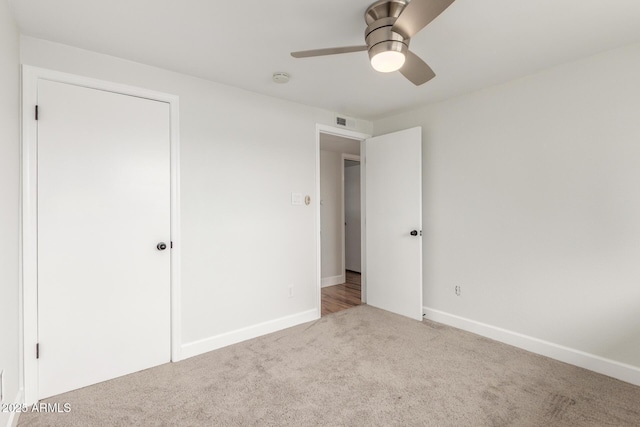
(29,216)
(320,128)
(344,216)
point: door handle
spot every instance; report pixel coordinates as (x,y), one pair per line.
(415,232)
(161,246)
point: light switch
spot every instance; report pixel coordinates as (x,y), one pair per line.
(297,199)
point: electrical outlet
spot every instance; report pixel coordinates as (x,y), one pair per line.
(458,290)
(290,291)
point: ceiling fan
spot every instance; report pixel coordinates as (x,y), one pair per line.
(390,26)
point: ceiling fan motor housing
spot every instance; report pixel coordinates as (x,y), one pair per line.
(379,36)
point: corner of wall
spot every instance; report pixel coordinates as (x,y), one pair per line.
(10,212)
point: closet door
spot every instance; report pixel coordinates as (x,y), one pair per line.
(103,214)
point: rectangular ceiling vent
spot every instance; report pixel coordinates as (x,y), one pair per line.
(341,121)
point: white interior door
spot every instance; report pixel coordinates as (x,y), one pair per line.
(393,197)
(352,221)
(103,207)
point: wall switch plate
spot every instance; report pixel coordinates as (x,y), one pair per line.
(297,199)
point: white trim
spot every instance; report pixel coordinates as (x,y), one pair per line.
(21,265)
(14,417)
(176,247)
(331,130)
(347,134)
(601,365)
(29,330)
(316,221)
(213,343)
(363,221)
(333,280)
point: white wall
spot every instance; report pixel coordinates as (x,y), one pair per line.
(242,154)
(331,217)
(532,206)
(10,205)
(352,214)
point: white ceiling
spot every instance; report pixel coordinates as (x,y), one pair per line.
(473,44)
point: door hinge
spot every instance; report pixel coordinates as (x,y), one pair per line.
(36,112)
(38,351)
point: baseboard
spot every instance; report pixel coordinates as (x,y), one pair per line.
(209,344)
(331,281)
(15,416)
(601,365)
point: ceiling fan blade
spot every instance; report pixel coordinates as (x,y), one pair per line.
(328,51)
(418,14)
(416,70)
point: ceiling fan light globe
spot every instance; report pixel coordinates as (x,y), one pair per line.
(388,61)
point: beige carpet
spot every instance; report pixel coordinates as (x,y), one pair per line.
(362,366)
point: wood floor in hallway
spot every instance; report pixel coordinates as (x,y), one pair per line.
(341,297)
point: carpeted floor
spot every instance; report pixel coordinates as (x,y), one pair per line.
(361,366)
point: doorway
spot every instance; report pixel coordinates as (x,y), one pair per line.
(391,201)
(340,222)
